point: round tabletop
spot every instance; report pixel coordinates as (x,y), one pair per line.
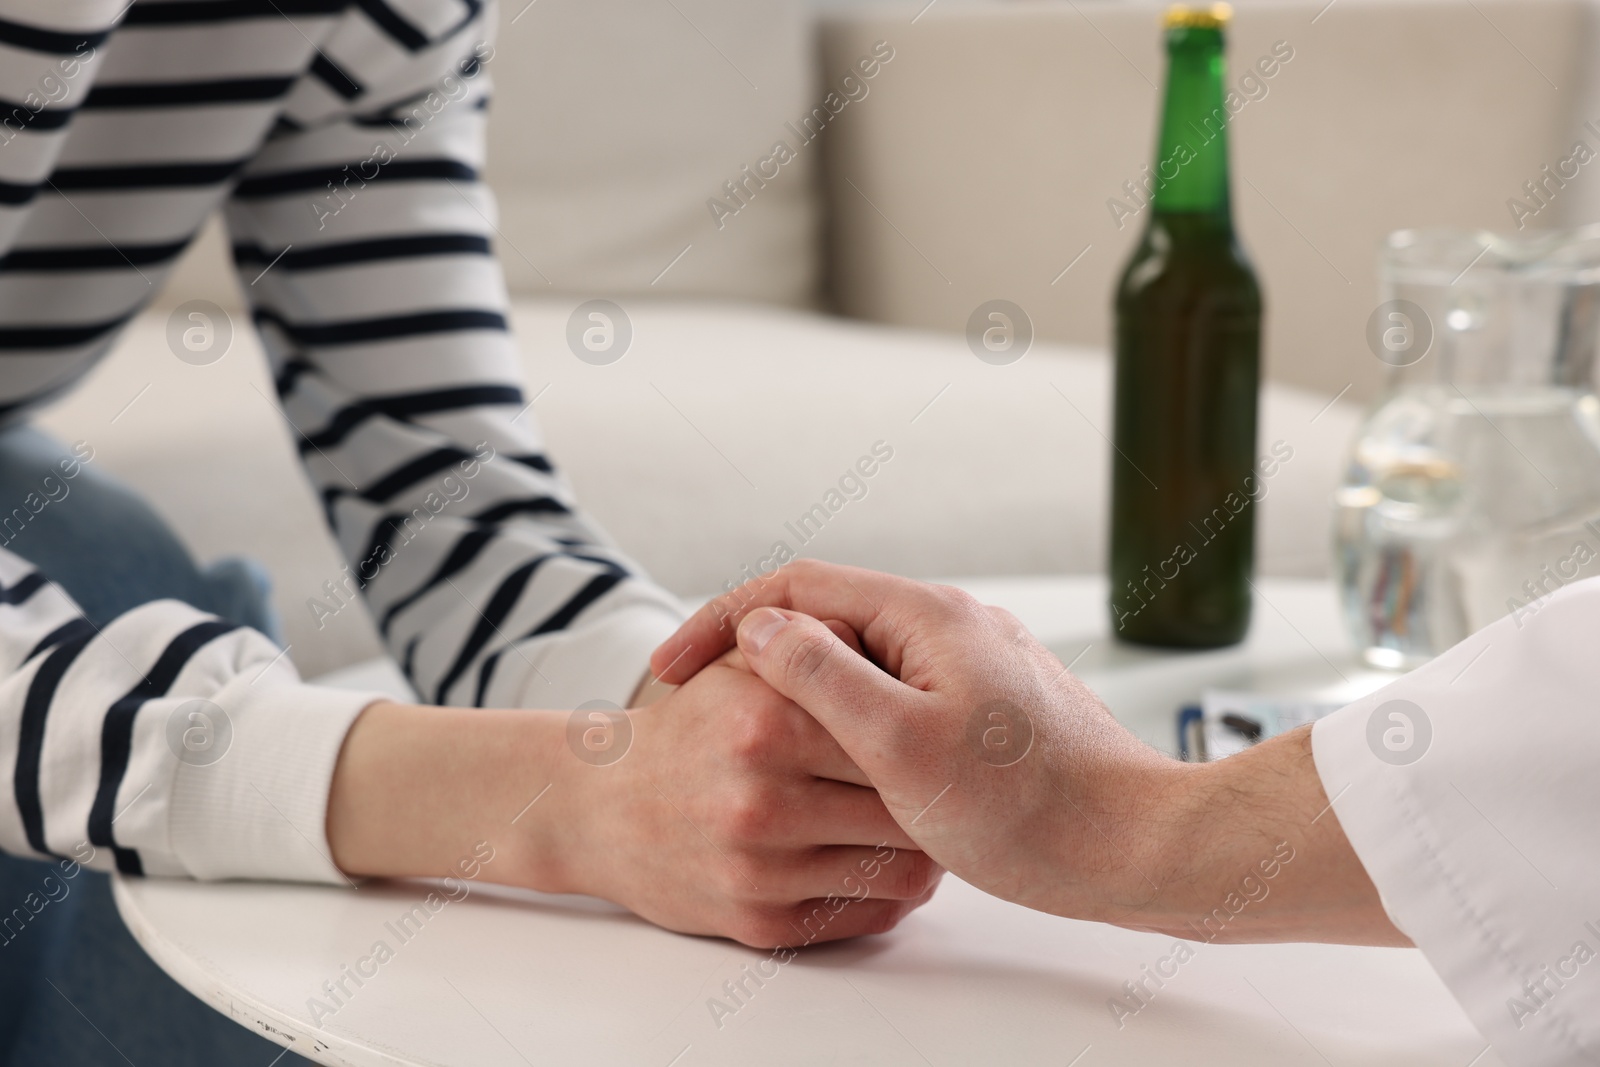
(505,977)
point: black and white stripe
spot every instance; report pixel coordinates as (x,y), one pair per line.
(116,733)
(385,316)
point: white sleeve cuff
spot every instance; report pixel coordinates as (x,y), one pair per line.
(261,809)
(1466,790)
(601,660)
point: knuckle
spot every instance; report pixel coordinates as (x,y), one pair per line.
(809,921)
(908,875)
(756,736)
(959,605)
(750,814)
(926,875)
(885,918)
(1007,621)
(807,656)
(755,928)
(804,567)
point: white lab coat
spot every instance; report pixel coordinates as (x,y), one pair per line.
(1484,838)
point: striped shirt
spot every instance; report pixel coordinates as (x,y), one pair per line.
(343,141)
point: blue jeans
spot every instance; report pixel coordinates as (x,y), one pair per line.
(75,989)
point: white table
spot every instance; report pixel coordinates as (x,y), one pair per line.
(508,978)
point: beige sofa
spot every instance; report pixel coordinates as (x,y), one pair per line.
(975,163)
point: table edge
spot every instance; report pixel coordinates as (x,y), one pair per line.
(218,993)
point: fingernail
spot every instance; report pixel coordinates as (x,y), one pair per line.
(759,627)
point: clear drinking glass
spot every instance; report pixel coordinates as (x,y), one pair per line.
(1473,487)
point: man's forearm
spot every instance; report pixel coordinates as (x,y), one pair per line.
(1253,851)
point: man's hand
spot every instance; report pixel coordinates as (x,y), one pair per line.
(732,812)
(1008,771)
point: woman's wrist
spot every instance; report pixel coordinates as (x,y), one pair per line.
(416,788)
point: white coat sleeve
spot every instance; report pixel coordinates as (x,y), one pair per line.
(1470,791)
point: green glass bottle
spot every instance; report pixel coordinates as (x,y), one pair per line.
(1188,369)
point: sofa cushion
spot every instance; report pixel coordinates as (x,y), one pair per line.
(614,123)
(717,435)
(723,424)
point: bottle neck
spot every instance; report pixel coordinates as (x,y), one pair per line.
(1192,154)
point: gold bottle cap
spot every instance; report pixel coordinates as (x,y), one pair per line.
(1214,17)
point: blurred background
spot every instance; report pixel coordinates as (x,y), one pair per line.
(783,324)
